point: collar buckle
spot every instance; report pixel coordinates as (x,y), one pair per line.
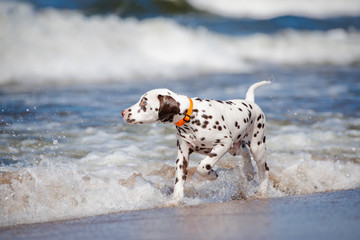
(186,119)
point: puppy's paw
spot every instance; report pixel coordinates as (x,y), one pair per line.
(249,177)
(174,201)
(211,175)
(263,189)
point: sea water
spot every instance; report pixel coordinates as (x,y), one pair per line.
(66,76)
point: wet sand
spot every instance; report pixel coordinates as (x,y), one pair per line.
(333,215)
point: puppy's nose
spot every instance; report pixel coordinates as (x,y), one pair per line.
(123,112)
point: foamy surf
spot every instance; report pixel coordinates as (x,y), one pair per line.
(36,47)
(137,173)
(66,153)
(54,191)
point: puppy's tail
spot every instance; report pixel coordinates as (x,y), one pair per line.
(250,96)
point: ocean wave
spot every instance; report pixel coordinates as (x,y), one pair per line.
(54,191)
(101,184)
(262,9)
(108,183)
(257,9)
(55,46)
(119,169)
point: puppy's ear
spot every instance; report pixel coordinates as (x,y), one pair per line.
(169,107)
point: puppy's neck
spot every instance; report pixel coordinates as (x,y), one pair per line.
(184,106)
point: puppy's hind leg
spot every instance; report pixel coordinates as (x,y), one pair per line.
(258,150)
(248,168)
(240,148)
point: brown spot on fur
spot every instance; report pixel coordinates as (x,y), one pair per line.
(266,167)
(197,122)
(185,163)
(205,124)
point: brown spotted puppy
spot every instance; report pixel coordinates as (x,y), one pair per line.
(208,127)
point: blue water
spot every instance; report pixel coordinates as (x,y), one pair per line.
(68,69)
(190,17)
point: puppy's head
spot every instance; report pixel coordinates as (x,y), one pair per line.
(159,105)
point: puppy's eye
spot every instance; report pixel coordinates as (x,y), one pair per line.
(143,105)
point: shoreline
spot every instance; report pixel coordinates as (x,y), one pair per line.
(329,215)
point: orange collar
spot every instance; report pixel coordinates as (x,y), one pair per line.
(186,119)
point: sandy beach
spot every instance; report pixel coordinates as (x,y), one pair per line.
(333,215)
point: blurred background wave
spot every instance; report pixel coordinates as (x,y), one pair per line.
(122,40)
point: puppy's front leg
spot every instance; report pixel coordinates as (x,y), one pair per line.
(181,169)
(206,165)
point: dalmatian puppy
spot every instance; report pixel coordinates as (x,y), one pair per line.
(209,127)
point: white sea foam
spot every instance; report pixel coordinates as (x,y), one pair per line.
(273,8)
(53,191)
(55,46)
(125,171)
